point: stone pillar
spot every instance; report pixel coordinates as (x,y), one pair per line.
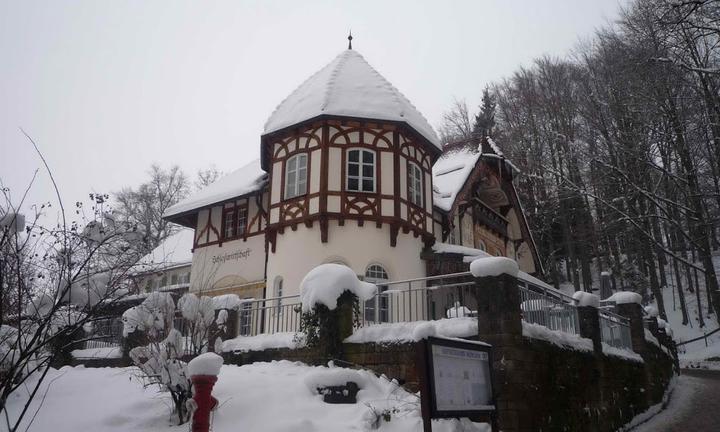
(590,326)
(499,317)
(500,325)
(633,311)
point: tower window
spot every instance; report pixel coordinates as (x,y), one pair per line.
(376,309)
(415,180)
(296,176)
(360,171)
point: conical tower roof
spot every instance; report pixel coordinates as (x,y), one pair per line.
(349,86)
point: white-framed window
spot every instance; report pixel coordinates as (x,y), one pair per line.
(241,220)
(245,319)
(360,170)
(296,176)
(377,308)
(230,227)
(415,181)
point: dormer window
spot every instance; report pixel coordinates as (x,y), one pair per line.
(296,176)
(360,171)
(415,180)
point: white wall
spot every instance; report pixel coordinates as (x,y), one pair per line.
(234,263)
(298,252)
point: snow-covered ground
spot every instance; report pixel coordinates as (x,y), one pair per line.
(278,396)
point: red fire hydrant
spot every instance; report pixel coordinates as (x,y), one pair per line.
(203,371)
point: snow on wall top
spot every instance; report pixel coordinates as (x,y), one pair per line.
(174,251)
(247,179)
(449,175)
(349,86)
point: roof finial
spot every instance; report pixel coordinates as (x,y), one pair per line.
(350,40)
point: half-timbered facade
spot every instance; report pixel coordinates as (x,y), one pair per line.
(350,172)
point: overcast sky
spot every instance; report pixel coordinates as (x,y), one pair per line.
(106,88)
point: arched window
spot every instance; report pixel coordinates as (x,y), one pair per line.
(481,246)
(296,176)
(360,171)
(415,181)
(376,309)
(278,292)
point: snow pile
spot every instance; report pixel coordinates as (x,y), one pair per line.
(450,173)
(205,364)
(623,353)
(270,397)
(249,178)
(559,338)
(404,332)
(325,284)
(228,301)
(625,297)
(348,86)
(263,341)
(583,298)
(493,266)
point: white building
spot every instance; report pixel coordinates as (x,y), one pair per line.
(350,172)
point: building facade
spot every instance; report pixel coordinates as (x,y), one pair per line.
(351,173)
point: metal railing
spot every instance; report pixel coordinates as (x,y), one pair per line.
(269,316)
(105,333)
(551,309)
(428,298)
(615,329)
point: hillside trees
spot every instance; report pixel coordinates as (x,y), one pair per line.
(619,148)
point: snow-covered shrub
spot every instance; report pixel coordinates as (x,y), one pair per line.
(160,360)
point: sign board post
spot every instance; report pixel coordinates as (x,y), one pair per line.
(456,381)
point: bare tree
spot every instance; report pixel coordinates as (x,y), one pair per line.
(144,206)
(54,280)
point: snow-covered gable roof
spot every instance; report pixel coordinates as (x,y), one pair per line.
(349,86)
(174,251)
(450,173)
(247,179)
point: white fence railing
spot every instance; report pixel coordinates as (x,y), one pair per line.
(429,298)
(615,329)
(553,310)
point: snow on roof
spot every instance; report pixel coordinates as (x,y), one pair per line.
(349,86)
(450,173)
(247,179)
(174,251)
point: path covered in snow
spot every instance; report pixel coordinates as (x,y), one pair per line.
(694,405)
